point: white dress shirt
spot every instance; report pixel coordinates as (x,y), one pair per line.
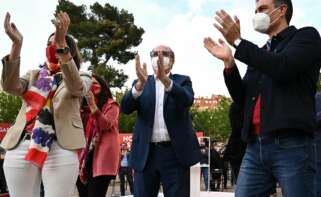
(160,132)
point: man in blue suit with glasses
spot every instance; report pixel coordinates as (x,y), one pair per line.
(164,142)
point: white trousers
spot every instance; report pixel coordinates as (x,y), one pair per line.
(59,173)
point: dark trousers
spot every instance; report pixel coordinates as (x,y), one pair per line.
(162,167)
(225,170)
(126,171)
(215,183)
(96,186)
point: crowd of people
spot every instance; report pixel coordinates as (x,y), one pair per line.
(66,132)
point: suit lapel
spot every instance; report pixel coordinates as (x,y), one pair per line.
(166,93)
(153,94)
(151,100)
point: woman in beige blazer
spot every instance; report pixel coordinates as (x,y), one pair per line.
(42,143)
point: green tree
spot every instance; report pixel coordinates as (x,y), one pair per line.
(9,107)
(203,121)
(126,122)
(103,33)
(214,122)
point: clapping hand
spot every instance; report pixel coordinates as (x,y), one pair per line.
(15,36)
(62,24)
(141,73)
(12,31)
(90,98)
(161,72)
(230,29)
(220,50)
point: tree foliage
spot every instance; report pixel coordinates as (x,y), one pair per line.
(214,122)
(9,107)
(103,33)
(126,122)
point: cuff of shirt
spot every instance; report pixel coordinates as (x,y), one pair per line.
(136,93)
(170,87)
(228,71)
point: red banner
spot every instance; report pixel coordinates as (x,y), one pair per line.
(126,138)
(3,129)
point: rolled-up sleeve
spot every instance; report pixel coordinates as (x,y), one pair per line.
(11,81)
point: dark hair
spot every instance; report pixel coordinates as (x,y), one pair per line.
(289,12)
(105,92)
(74,51)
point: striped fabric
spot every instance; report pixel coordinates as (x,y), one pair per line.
(39,101)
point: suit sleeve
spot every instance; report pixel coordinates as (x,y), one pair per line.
(301,52)
(234,84)
(183,94)
(128,103)
(11,82)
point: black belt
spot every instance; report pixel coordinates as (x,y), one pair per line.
(161,144)
(270,137)
(284,133)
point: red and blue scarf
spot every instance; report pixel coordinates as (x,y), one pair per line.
(39,109)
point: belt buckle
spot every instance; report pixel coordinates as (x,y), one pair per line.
(162,143)
(157,144)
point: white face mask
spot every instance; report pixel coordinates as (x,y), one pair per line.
(166,62)
(262,21)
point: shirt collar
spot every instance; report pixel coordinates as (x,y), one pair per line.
(280,36)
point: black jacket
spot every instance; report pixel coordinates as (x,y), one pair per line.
(235,148)
(285,77)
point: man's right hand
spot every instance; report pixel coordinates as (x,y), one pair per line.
(220,50)
(141,73)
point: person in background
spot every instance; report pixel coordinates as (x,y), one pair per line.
(42,143)
(204,161)
(125,170)
(99,160)
(225,166)
(216,167)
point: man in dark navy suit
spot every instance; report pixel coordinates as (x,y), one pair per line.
(164,142)
(276,96)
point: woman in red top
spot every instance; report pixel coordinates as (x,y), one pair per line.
(99,161)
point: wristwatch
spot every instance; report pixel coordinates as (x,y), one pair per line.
(62,51)
(237,42)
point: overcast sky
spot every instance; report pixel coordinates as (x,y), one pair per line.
(180,24)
